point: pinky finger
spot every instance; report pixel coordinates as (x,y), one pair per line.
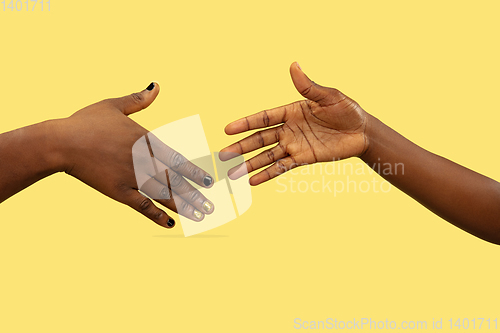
(147,208)
(278,168)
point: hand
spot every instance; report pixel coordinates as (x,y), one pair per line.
(95,146)
(326,126)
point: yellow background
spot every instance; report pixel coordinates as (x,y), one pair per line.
(73,260)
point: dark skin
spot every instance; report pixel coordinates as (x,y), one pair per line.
(330,126)
(95,146)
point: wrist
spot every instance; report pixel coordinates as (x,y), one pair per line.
(373,130)
(54,141)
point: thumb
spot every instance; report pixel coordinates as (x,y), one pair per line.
(311,90)
(138,101)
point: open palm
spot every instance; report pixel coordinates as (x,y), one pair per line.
(326,126)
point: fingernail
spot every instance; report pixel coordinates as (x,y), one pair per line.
(207,206)
(151,86)
(171,223)
(298,65)
(198,214)
(207,180)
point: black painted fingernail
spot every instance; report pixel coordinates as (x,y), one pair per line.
(207,180)
(171,223)
(151,86)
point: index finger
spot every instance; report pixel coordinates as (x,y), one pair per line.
(177,162)
(262,119)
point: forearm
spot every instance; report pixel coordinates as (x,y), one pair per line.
(461,196)
(27,155)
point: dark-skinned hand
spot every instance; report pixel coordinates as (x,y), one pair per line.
(95,146)
(326,126)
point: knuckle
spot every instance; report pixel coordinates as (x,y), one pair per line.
(195,173)
(144,204)
(164,193)
(175,179)
(270,155)
(177,161)
(249,165)
(260,138)
(265,118)
(185,206)
(281,166)
(194,195)
(158,215)
(280,133)
(137,98)
(122,187)
(307,90)
(283,148)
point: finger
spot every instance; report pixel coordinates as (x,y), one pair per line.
(262,119)
(312,91)
(176,183)
(280,167)
(171,200)
(178,163)
(255,141)
(137,101)
(265,158)
(146,207)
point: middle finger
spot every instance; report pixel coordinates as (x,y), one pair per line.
(250,143)
(178,184)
